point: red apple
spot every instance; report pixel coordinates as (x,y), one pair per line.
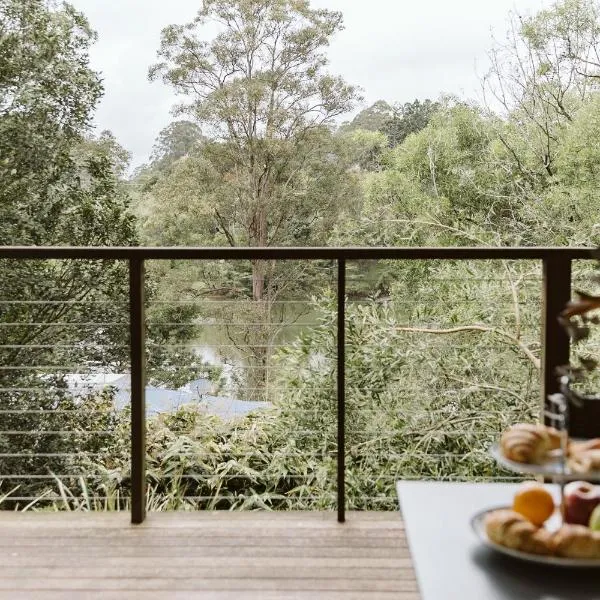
(581,498)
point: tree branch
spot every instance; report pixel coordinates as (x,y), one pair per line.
(478,328)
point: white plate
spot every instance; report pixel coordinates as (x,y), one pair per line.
(550,468)
(477,523)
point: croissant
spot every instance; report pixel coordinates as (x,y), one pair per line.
(509,528)
(576,541)
(585,446)
(529,443)
(585,461)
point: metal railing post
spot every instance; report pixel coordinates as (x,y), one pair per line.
(138,390)
(341,391)
(555,341)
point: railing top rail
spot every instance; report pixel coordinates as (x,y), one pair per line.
(290,253)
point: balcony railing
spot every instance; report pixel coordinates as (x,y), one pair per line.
(556,291)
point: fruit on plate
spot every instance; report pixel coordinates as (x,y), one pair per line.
(534,502)
(581,498)
(594,523)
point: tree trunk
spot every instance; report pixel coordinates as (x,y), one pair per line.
(260,353)
(261,240)
(258,280)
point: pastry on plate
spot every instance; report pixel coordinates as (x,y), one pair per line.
(576,541)
(509,528)
(584,456)
(529,443)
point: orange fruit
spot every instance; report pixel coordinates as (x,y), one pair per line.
(534,502)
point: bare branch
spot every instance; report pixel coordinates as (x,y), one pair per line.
(535,361)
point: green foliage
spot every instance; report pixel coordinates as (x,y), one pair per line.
(47,93)
(57,434)
(539,79)
(58,186)
(408,118)
(260,89)
(179,139)
(373,118)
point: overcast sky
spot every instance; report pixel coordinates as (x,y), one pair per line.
(396,50)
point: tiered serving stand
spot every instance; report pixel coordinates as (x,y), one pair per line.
(556,469)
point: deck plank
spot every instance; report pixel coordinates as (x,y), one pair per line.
(213,556)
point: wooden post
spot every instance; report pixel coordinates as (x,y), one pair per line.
(138,390)
(341,391)
(555,341)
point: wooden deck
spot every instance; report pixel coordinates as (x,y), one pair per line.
(212,556)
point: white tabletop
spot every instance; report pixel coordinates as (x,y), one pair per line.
(452,564)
